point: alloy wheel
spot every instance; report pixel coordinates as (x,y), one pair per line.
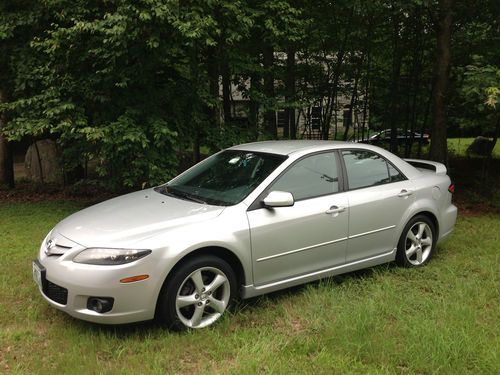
(418,244)
(202,297)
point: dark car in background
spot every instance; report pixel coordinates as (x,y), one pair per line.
(402,136)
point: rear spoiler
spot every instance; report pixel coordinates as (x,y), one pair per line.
(439,168)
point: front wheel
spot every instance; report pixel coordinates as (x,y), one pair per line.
(417,242)
(197,294)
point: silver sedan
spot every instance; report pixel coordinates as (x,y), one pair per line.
(249,220)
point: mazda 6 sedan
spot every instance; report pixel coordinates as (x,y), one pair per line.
(249,220)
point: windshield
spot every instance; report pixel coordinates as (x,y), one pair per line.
(223,179)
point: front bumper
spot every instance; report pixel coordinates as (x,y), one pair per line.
(133,302)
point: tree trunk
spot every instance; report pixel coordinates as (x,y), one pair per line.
(366,94)
(415,83)
(253,118)
(333,90)
(196,148)
(197,125)
(438,149)
(495,135)
(365,103)
(270,114)
(353,97)
(290,131)
(487,160)
(213,112)
(396,75)
(6,157)
(335,119)
(226,89)
(332,96)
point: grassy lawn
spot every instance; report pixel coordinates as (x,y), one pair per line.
(442,318)
(458,146)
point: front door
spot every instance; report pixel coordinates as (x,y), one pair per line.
(309,236)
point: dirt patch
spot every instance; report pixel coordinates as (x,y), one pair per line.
(465,208)
(477,185)
(31,192)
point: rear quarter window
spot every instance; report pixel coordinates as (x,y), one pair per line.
(365,168)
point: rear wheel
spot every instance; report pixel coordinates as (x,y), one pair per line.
(197,294)
(417,242)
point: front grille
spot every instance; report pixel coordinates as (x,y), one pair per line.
(55,292)
(56,250)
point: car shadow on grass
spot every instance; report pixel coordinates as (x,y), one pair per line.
(333,281)
(139,329)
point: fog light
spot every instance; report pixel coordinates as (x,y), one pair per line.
(100,304)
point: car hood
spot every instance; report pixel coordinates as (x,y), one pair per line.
(130,218)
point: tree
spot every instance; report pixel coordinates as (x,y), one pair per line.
(18,22)
(6,158)
(438,149)
(134,84)
(481,89)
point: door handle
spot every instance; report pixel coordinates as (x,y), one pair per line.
(335,210)
(405,193)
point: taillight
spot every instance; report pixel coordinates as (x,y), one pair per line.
(451,188)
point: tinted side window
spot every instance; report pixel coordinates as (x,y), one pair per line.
(365,168)
(312,176)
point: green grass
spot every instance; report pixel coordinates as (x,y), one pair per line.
(442,318)
(458,146)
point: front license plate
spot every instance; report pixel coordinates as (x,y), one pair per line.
(37,274)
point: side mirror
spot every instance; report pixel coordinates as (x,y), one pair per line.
(279,199)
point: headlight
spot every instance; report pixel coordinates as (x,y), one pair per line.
(109,257)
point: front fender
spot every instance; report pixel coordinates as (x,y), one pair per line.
(229,230)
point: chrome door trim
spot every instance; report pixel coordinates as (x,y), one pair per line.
(322,244)
(372,231)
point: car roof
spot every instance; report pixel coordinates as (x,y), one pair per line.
(302,147)
(288,147)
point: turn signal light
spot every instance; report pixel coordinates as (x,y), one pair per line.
(134,278)
(451,188)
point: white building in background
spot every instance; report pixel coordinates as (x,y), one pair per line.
(307,119)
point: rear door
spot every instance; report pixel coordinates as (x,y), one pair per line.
(309,236)
(378,195)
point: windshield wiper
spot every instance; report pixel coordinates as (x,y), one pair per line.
(167,190)
(192,198)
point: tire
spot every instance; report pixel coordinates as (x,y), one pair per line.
(417,242)
(197,294)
